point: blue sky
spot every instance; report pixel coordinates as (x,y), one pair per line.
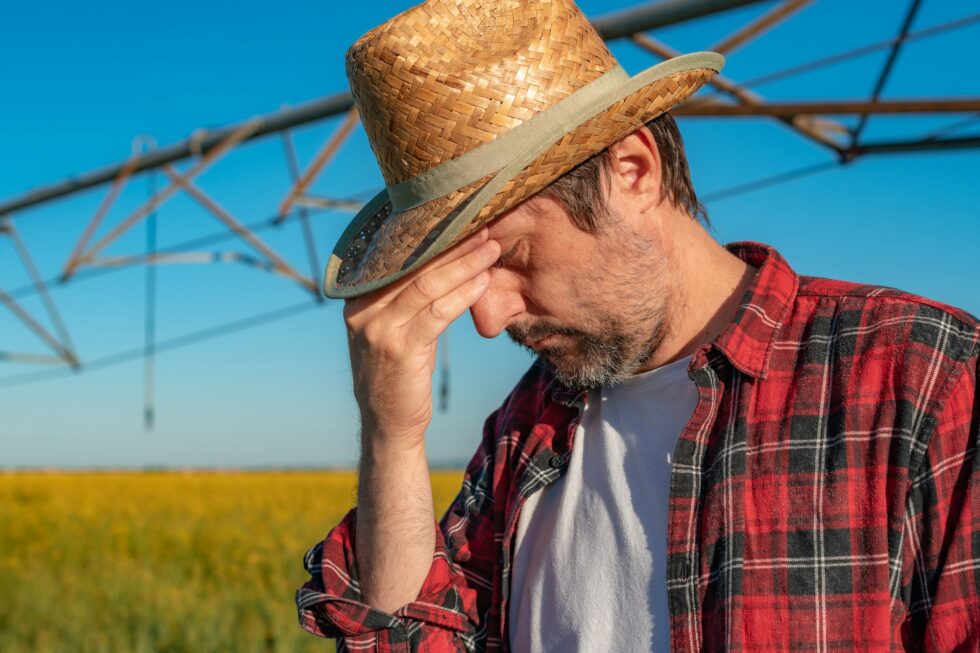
(80,81)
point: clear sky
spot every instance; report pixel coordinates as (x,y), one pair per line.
(81,80)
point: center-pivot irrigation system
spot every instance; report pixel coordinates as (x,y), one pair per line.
(205,148)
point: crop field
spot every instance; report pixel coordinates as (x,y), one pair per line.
(175,562)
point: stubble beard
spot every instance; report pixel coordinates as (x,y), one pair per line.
(584,359)
(616,337)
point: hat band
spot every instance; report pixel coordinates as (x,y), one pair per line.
(490,157)
(450,226)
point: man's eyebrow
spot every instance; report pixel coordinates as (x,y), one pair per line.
(511,251)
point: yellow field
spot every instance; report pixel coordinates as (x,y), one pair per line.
(164,561)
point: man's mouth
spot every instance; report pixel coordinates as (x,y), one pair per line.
(541,343)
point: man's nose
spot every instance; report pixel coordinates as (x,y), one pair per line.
(496,309)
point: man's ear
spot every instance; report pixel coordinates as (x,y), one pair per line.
(635,169)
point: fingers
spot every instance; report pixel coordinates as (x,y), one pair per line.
(456,251)
(392,334)
(412,313)
(429,289)
(430,322)
(353,308)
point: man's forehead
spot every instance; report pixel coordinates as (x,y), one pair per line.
(523,218)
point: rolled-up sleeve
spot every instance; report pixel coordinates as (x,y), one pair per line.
(451,610)
(330,604)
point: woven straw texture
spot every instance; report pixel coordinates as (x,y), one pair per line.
(448,76)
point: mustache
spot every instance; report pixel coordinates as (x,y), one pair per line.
(525,333)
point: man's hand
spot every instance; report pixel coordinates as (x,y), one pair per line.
(392,335)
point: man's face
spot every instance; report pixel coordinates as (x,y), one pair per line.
(593,305)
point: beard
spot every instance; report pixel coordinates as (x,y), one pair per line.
(582,358)
(623,308)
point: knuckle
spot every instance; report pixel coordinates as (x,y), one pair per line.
(389,350)
(371,334)
(468,264)
(440,310)
(355,313)
(424,286)
(349,314)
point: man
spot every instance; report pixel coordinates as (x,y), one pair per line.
(710,453)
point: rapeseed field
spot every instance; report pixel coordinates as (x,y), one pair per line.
(173,562)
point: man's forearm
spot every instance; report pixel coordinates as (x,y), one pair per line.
(393,335)
(395,536)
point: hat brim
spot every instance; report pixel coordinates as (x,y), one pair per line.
(381,246)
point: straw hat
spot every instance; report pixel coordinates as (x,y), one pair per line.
(472,106)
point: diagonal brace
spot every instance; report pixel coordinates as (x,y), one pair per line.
(804,125)
(241,230)
(322,158)
(151,204)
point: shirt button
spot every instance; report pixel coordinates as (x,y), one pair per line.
(557,461)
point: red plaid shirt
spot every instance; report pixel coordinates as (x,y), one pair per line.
(825,495)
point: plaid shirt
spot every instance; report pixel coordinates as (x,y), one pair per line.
(825,495)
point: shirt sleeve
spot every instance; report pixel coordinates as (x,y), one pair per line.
(941,549)
(455,594)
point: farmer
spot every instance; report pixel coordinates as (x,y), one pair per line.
(709,453)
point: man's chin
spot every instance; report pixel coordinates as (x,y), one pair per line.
(568,369)
(559,357)
(569,362)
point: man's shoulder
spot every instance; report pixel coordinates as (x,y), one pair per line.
(875,319)
(885,300)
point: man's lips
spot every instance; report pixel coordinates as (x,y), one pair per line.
(541,343)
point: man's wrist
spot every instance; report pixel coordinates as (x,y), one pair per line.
(379,444)
(375,435)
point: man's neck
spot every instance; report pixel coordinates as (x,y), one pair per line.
(708,285)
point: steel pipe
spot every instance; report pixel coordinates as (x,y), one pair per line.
(200,142)
(860,107)
(612,26)
(660,14)
(927,145)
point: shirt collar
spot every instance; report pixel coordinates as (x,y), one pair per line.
(747,341)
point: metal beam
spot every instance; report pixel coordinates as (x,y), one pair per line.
(292,162)
(861,51)
(886,70)
(928,145)
(241,134)
(660,14)
(37,359)
(117,185)
(758,27)
(42,289)
(200,142)
(322,158)
(38,330)
(611,26)
(844,107)
(814,129)
(243,232)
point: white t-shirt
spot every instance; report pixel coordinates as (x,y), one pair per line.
(590,558)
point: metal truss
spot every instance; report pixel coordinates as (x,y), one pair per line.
(731,99)
(62,351)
